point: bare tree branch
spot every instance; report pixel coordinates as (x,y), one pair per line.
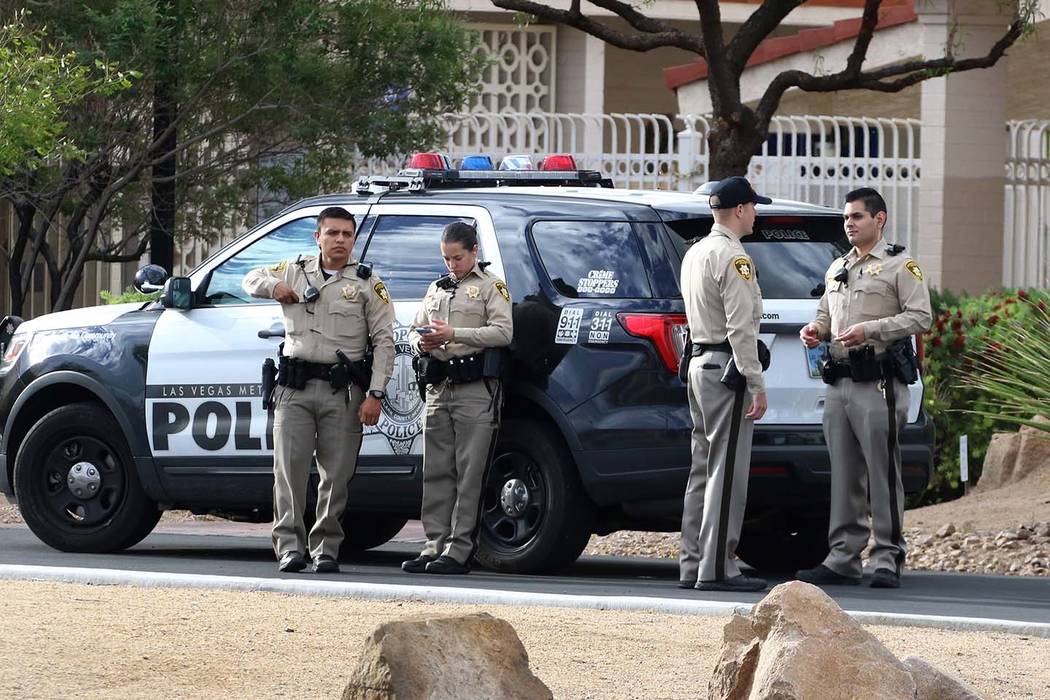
(574,18)
(755,30)
(912,72)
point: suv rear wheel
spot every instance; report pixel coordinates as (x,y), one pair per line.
(535,515)
(76,483)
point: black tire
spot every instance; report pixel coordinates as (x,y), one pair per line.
(367,530)
(787,547)
(115,515)
(552,529)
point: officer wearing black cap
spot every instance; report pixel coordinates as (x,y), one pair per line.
(723,305)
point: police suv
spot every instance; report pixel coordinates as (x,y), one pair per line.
(113,414)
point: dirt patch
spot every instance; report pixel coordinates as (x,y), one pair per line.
(192,643)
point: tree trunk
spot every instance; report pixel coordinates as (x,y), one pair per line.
(25,212)
(162,214)
(732,142)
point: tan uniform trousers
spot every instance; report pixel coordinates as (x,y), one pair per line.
(308,421)
(716,492)
(865,463)
(458,435)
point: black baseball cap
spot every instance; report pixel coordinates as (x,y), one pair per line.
(734,191)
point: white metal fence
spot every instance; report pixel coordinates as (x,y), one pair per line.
(1026,226)
(807,158)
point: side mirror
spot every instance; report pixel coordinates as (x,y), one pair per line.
(150,279)
(177,294)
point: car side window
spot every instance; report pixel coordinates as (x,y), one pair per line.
(285,242)
(405,251)
(592,259)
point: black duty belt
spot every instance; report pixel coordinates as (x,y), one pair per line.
(724,346)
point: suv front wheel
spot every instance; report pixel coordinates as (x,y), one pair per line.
(76,483)
(535,515)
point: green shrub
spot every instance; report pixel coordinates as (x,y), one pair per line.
(128,295)
(965,328)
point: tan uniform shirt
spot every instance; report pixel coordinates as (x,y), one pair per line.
(348,311)
(886,293)
(723,301)
(478,309)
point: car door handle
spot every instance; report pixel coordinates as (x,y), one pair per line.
(274,331)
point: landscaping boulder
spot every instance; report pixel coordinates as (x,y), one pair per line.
(437,657)
(797,644)
(931,683)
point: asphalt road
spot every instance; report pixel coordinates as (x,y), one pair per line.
(1020,599)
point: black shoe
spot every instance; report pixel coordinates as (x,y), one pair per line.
(823,576)
(686,583)
(325,564)
(739,583)
(446,565)
(885,578)
(291,562)
(417,565)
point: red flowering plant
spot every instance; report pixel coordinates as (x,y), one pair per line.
(969,337)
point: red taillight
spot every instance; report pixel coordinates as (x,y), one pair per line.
(561,161)
(666,331)
(427,161)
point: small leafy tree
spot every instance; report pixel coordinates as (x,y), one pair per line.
(234,99)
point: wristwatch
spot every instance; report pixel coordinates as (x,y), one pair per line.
(377,393)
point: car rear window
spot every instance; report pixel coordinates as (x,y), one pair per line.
(792,253)
(592,259)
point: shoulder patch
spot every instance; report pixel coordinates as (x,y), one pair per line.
(914,269)
(744,268)
(380,289)
(279,267)
(502,289)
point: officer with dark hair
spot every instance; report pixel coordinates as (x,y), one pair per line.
(875,299)
(326,388)
(463,322)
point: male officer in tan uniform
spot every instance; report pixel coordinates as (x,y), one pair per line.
(723,305)
(328,306)
(462,314)
(873,296)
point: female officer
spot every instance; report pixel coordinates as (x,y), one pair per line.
(463,313)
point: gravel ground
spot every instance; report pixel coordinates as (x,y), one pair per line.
(76,641)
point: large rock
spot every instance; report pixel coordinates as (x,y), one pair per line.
(998,467)
(931,683)
(466,656)
(1012,457)
(1033,452)
(798,644)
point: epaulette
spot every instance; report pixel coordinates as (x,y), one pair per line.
(894,249)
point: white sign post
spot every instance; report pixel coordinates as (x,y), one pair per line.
(964,463)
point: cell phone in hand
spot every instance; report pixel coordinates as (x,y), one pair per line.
(423,330)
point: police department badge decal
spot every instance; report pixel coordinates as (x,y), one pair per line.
(502,289)
(402,417)
(380,290)
(743,268)
(913,268)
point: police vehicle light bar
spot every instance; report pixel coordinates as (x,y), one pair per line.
(560,161)
(414,180)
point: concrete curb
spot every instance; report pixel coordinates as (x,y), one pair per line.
(473,596)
